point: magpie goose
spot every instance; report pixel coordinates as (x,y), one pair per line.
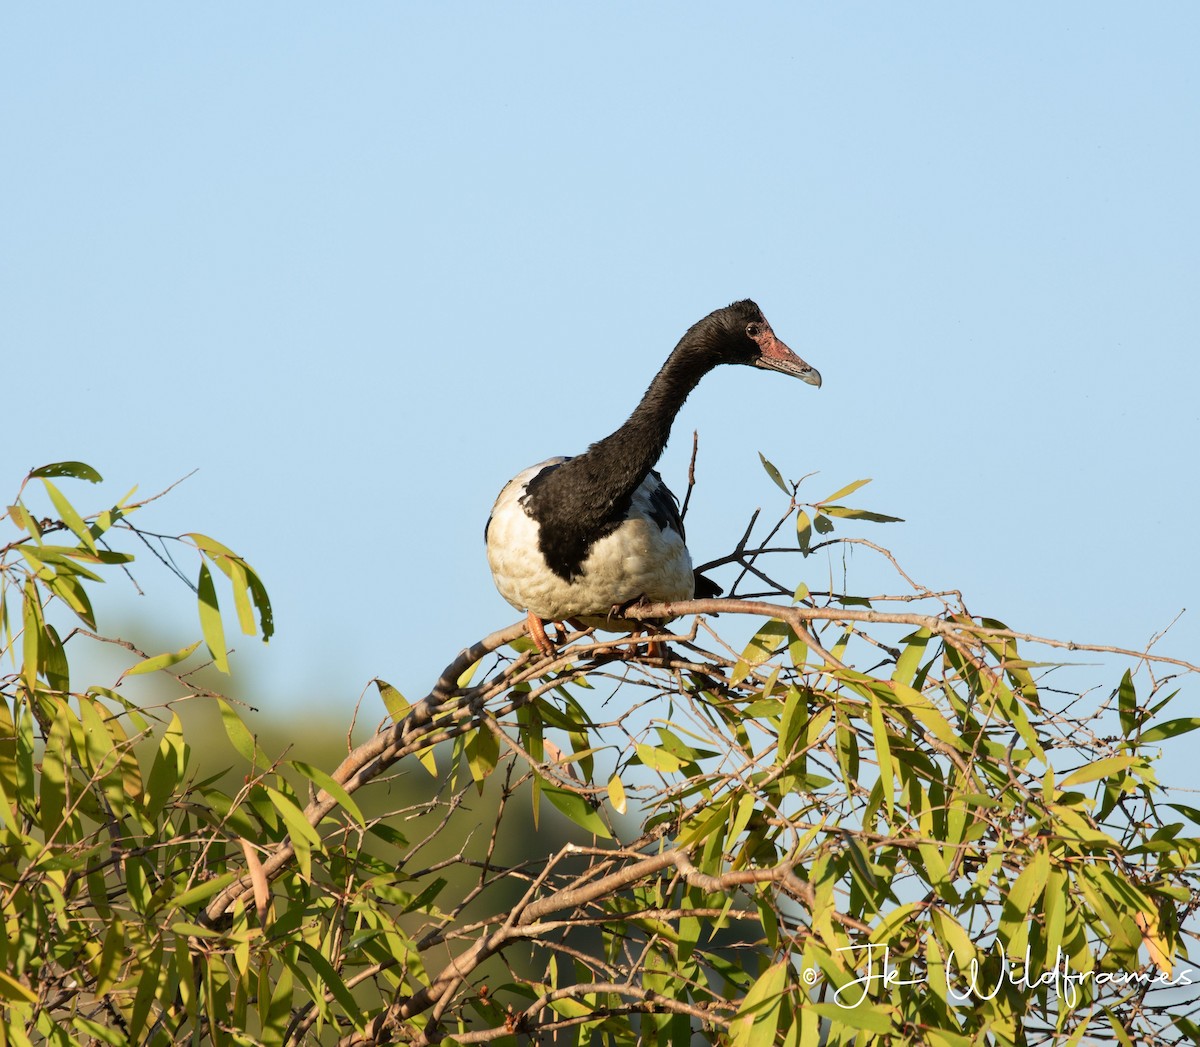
(578,538)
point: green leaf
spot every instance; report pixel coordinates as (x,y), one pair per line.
(860,514)
(841,492)
(929,715)
(170,764)
(757,1019)
(774,474)
(1171,729)
(204,890)
(657,759)
(240,736)
(79,470)
(483,752)
(68,515)
(1118,1028)
(210,619)
(333,982)
(577,809)
(769,638)
(1110,765)
(804,532)
(14,990)
(244,579)
(293,817)
(864,1016)
(395,703)
(211,546)
(883,753)
(35,635)
(1022,901)
(25,521)
(333,788)
(72,593)
(241,596)
(910,658)
(1127,705)
(160,661)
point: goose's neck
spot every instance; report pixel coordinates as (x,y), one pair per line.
(612,468)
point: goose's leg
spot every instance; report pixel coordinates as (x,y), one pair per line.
(537,633)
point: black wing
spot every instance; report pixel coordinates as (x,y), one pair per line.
(664,506)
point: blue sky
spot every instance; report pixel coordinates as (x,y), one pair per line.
(359,264)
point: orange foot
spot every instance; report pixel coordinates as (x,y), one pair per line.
(537,633)
(654,649)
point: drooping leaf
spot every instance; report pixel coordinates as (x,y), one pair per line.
(240,735)
(210,619)
(1023,900)
(616,794)
(883,753)
(774,474)
(68,515)
(35,641)
(333,982)
(1127,705)
(804,531)
(79,470)
(757,1020)
(769,638)
(483,752)
(577,809)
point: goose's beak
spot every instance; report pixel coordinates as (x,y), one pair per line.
(775,356)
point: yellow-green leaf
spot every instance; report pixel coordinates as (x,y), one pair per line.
(239,734)
(658,759)
(1099,769)
(1171,729)
(757,1020)
(161,661)
(804,531)
(333,788)
(841,492)
(770,636)
(68,515)
(616,794)
(883,753)
(204,890)
(210,619)
(12,989)
(864,1016)
(395,703)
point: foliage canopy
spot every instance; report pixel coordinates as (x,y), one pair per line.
(864,825)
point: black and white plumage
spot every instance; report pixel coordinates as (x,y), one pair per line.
(574,538)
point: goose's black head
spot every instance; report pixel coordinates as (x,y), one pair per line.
(740,334)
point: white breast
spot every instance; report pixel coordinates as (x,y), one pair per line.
(640,558)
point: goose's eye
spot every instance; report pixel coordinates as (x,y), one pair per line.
(753,330)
